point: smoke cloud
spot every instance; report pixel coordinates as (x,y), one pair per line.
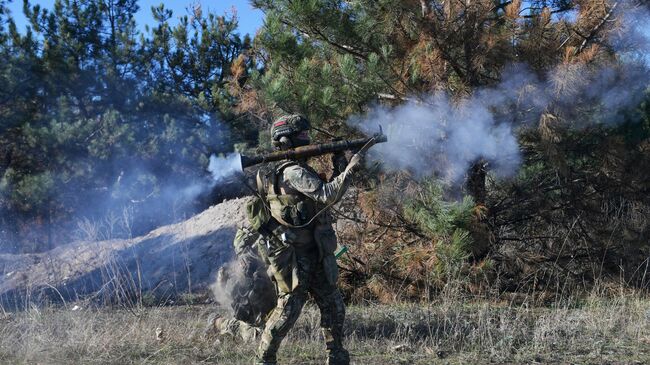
(223,167)
(230,277)
(440,137)
(631,36)
(435,135)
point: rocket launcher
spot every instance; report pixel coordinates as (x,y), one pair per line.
(313,150)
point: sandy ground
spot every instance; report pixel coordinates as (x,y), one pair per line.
(177,258)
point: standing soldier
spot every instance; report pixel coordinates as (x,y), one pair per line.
(301,242)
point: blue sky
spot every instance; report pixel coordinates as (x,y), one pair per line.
(249,19)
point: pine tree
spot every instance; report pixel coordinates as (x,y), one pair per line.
(97,116)
(332,59)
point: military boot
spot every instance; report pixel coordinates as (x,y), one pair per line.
(265,362)
(338,357)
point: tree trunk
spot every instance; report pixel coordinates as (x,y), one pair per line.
(476,182)
(482,235)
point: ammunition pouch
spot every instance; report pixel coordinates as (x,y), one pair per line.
(325,236)
(284,268)
(290,209)
(257,212)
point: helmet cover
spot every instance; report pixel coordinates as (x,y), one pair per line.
(288,126)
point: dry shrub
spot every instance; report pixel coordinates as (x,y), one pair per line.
(567,80)
(548,124)
(407,242)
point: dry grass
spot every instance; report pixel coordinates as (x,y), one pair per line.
(595,330)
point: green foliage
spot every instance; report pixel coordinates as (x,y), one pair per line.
(451,255)
(444,222)
(27,191)
(436,216)
(95,115)
(330,59)
(311,74)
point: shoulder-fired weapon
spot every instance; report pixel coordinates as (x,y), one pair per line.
(314,150)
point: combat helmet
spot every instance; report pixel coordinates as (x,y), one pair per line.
(290,131)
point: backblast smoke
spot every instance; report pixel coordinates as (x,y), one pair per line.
(222,167)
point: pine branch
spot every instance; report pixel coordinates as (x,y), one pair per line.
(393,97)
(595,31)
(342,47)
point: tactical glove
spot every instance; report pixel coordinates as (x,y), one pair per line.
(354,162)
(339,162)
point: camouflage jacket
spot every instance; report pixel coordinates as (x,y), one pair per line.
(303,180)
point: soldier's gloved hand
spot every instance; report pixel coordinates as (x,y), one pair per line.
(339,162)
(355,161)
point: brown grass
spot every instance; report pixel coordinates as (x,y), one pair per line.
(596,329)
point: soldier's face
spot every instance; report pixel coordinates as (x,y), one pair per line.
(302,138)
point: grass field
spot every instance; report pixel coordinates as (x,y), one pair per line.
(591,331)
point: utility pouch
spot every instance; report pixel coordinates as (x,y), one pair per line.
(325,238)
(305,211)
(284,268)
(284,209)
(257,212)
(330,269)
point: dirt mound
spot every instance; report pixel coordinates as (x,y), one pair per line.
(170,260)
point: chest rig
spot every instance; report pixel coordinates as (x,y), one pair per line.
(288,208)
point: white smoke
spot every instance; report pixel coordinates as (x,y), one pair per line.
(230,276)
(441,137)
(223,167)
(438,136)
(631,38)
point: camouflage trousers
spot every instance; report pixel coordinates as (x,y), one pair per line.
(312,280)
(236,328)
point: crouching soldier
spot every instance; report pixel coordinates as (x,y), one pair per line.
(248,288)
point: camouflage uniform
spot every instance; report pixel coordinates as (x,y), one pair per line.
(235,328)
(253,294)
(302,259)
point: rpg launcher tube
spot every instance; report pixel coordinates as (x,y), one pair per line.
(311,150)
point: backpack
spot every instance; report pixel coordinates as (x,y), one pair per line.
(258,213)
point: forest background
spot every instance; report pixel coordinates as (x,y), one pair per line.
(521,130)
